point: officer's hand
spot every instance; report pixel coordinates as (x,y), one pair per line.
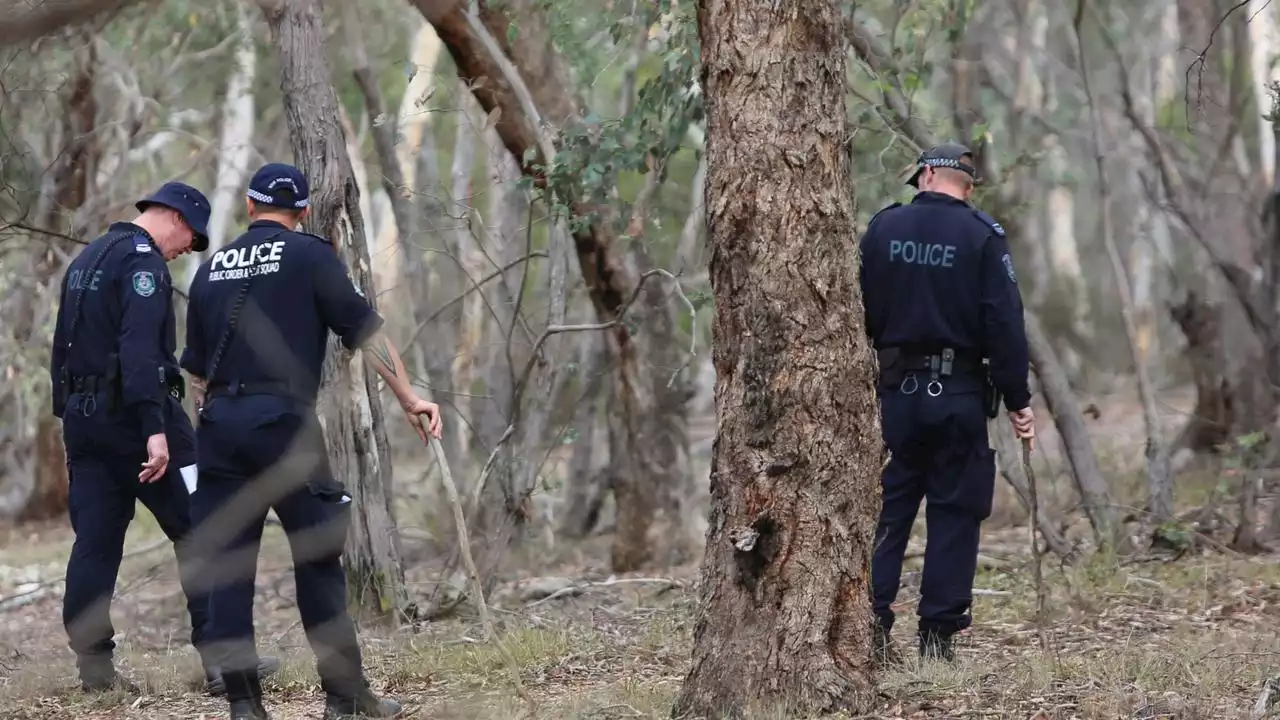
(1024,424)
(157,459)
(415,408)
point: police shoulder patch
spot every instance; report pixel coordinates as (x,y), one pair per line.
(989,222)
(1008,268)
(142,248)
(144,283)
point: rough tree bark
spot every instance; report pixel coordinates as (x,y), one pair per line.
(350,410)
(71,178)
(785,621)
(475,42)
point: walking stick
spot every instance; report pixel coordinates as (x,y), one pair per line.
(1035,546)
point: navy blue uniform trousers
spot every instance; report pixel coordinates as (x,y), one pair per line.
(105,453)
(939,453)
(259,452)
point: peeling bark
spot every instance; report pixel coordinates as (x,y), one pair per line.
(785,616)
(349,407)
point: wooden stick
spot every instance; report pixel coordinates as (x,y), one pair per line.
(1035,546)
(451,490)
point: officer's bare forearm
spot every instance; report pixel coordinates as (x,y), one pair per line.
(386,360)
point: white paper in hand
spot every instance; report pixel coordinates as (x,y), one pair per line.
(189,478)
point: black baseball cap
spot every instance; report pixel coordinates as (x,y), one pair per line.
(279,185)
(947,155)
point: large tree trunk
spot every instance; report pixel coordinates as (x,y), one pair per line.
(785,618)
(480,46)
(350,411)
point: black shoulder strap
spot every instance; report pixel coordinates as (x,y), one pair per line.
(321,238)
(93,267)
(233,320)
(989,222)
(882,211)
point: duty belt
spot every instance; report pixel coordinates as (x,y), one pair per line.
(88,384)
(942,364)
(254,387)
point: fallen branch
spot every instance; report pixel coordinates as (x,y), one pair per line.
(579,588)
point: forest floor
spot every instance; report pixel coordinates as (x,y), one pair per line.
(1153,636)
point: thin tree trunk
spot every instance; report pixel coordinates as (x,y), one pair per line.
(1159,479)
(71,181)
(1095,493)
(785,617)
(350,410)
(388,260)
(480,46)
(236,139)
(507,214)
(1264,38)
(588,480)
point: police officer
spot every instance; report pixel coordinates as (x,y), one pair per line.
(117,389)
(261,311)
(945,317)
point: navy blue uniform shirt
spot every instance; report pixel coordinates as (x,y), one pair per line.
(127,310)
(299,291)
(937,273)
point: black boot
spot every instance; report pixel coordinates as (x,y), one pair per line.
(248,710)
(216,687)
(364,704)
(98,675)
(244,691)
(936,645)
(884,653)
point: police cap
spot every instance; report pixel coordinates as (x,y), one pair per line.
(947,155)
(190,203)
(279,185)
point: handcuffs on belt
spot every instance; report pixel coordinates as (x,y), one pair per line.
(940,366)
